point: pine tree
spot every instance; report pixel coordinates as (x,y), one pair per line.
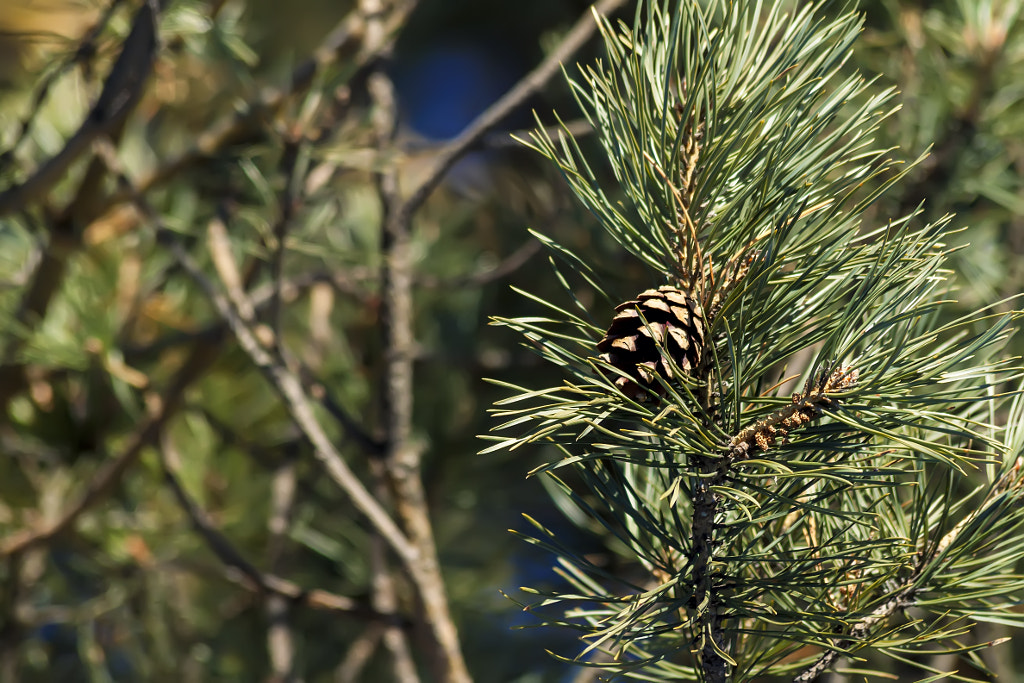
(761,531)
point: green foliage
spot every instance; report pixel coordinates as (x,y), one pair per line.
(792,202)
(133,589)
(745,161)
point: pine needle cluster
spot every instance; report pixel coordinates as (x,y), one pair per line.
(762,532)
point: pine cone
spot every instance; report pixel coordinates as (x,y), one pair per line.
(674,319)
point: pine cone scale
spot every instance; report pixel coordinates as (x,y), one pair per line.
(666,317)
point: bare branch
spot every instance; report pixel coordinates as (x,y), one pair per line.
(352,283)
(358,656)
(385,596)
(401,454)
(493,115)
(245,572)
(289,386)
(280,642)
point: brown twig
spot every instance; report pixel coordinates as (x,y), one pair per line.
(446,158)
(220,251)
(351,283)
(280,642)
(385,596)
(240,570)
(291,390)
(358,656)
(401,457)
(261,297)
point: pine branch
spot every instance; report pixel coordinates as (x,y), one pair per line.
(740,156)
(711,639)
(861,630)
(713,474)
(904,596)
(805,408)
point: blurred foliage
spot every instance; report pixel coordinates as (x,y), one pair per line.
(132,591)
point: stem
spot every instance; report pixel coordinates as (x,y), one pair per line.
(705,507)
(711,473)
(402,456)
(280,639)
(858,632)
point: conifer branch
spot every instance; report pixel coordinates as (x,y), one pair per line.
(905,594)
(760,436)
(859,631)
(710,637)
(749,198)
(805,408)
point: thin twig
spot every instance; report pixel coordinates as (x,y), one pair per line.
(290,388)
(280,642)
(401,456)
(384,595)
(351,283)
(580,33)
(348,283)
(359,653)
(240,570)
(224,262)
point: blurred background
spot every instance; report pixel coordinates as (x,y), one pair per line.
(131,591)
